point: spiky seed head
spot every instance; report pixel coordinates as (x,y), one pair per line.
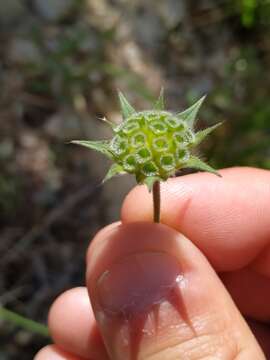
(153,144)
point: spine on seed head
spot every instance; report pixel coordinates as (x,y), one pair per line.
(153,144)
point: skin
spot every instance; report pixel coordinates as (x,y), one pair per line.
(225,241)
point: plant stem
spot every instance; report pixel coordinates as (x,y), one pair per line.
(23,322)
(156,201)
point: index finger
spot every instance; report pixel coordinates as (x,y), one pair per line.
(227,218)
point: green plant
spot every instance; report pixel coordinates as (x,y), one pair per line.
(23,322)
(248,8)
(153,145)
(252,13)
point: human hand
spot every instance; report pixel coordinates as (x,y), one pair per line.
(156,294)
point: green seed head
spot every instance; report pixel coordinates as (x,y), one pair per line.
(153,144)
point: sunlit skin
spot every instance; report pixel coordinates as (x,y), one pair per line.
(227,222)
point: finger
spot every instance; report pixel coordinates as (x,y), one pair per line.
(155,296)
(73,327)
(246,284)
(262,333)
(52,352)
(261,265)
(227,218)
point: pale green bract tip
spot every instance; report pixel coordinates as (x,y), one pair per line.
(202,134)
(196,163)
(126,109)
(114,170)
(160,103)
(153,144)
(190,114)
(100,145)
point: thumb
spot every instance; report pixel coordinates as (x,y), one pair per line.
(155,296)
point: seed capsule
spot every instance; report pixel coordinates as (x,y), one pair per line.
(149,142)
(153,144)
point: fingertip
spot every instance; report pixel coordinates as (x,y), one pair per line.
(62,311)
(138,204)
(52,352)
(227,218)
(99,236)
(44,353)
(73,327)
(153,292)
(129,211)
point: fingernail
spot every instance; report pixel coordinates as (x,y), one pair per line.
(132,289)
(135,283)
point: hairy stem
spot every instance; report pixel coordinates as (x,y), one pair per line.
(156,201)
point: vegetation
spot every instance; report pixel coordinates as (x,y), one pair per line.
(60,69)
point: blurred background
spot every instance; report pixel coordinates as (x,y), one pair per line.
(61,63)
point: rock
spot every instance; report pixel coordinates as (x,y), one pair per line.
(54,10)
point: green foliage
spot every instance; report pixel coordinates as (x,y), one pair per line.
(252,12)
(200,135)
(126,108)
(247,116)
(23,322)
(115,169)
(153,144)
(66,68)
(9,194)
(189,115)
(160,104)
(248,12)
(102,146)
